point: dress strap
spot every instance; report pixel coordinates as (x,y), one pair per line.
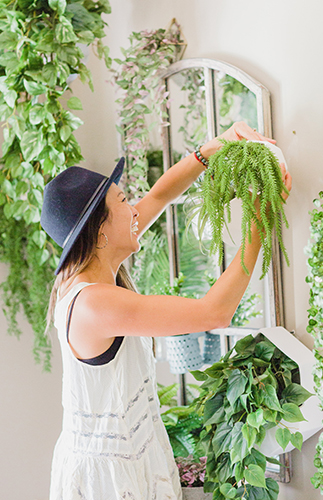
(70,313)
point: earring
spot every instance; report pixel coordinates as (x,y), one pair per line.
(106,242)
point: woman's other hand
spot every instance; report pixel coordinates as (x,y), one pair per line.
(287,180)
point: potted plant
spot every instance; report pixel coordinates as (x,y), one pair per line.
(243,170)
(183,426)
(252,391)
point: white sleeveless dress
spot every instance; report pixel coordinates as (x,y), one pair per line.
(113,444)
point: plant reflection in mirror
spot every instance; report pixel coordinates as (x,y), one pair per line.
(236,103)
(314,251)
(194,128)
(249,391)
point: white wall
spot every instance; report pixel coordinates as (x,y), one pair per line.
(280,44)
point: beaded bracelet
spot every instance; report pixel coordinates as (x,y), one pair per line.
(198,155)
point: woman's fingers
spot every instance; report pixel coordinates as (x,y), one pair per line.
(243,131)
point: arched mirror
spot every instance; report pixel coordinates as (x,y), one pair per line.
(205,98)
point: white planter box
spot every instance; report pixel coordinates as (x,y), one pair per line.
(305,359)
(195,494)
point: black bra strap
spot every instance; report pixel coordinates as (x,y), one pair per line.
(70,314)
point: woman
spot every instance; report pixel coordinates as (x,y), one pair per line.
(113,443)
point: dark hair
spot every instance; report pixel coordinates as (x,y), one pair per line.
(80,256)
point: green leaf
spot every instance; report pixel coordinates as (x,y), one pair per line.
(8,188)
(257,458)
(212,406)
(295,393)
(64,31)
(65,132)
(10,97)
(255,476)
(256,419)
(292,413)
(74,103)
(58,5)
(34,88)
(250,434)
(215,370)
(239,446)
(246,345)
(264,350)
(272,488)
(283,436)
(236,385)
(221,441)
(297,440)
(39,237)
(228,490)
(50,75)
(36,114)
(270,398)
(260,436)
(32,144)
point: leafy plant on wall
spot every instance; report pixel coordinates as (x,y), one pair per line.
(40,51)
(314,251)
(138,77)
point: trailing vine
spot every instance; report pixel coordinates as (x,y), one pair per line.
(40,52)
(314,251)
(244,170)
(138,77)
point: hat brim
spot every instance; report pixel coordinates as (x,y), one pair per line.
(114,178)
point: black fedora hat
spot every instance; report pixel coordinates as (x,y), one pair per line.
(70,199)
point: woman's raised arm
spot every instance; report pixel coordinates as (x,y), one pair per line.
(181,176)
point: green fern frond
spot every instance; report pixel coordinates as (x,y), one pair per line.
(250,170)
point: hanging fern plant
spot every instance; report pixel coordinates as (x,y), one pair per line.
(243,170)
(39,54)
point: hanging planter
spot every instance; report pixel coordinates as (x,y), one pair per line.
(252,396)
(243,170)
(184,352)
(310,409)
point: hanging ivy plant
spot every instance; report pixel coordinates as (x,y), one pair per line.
(40,51)
(243,170)
(314,251)
(138,77)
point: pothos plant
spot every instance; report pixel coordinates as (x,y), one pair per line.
(314,251)
(249,391)
(244,170)
(138,79)
(40,50)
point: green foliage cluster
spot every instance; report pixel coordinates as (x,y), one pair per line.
(314,251)
(182,424)
(249,391)
(40,53)
(194,128)
(138,78)
(245,170)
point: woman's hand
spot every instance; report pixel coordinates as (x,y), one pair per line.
(287,180)
(238,131)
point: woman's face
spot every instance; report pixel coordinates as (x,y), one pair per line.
(121,224)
